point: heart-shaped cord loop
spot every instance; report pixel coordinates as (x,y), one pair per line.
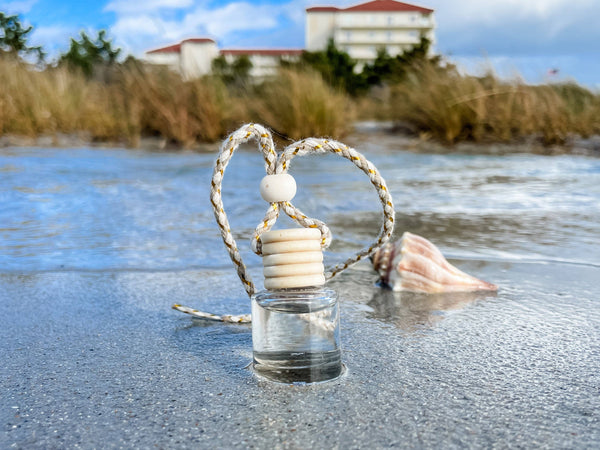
(313,145)
(275,165)
(235,139)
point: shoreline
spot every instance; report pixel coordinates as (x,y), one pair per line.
(387,133)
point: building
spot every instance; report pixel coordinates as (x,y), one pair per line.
(265,62)
(363,29)
(193,57)
(360,30)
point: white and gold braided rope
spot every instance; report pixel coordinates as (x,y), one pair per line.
(279,165)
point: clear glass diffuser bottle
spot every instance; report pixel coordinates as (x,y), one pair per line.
(295,321)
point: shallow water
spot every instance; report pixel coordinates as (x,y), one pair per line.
(95,245)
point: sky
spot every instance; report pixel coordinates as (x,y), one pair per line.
(528,38)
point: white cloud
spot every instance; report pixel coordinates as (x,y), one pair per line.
(133,7)
(17,6)
(516,27)
(534,69)
(499,30)
(52,37)
(235,16)
(138,25)
(495,10)
(138,32)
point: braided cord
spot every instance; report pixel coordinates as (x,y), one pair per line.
(313,145)
(275,165)
(265,143)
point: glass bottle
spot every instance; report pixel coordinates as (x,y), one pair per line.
(296,335)
(295,327)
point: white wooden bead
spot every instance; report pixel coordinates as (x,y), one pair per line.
(278,188)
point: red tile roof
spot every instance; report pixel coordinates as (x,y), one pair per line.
(176,48)
(322,9)
(199,40)
(262,52)
(170,49)
(374,6)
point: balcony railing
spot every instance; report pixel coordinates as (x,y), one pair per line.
(374,26)
(361,39)
(362,23)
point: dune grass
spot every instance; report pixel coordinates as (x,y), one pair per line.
(300,104)
(132,103)
(136,101)
(452,107)
(32,103)
(184,112)
(145,101)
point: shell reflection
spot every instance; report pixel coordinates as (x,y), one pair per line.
(412,311)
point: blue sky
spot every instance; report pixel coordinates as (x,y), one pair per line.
(529,37)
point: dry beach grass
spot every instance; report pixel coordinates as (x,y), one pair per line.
(452,107)
(300,104)
(133,101)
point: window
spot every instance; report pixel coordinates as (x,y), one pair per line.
(389,35)
(390,20)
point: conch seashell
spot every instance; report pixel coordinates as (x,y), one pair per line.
(415,264)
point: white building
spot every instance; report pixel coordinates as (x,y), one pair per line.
(265,62)
(362,29)
(359,30)
(193,57)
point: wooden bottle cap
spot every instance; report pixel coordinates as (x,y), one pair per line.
(292,258)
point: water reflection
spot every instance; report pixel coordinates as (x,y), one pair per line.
(114,209)
(537,235)
(413,312)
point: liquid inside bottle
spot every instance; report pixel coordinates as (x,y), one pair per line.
(296,335)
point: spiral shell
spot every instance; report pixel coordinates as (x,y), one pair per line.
(415,264)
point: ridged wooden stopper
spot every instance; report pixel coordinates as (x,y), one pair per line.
(292,258)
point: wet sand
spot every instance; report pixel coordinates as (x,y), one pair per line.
(97,244)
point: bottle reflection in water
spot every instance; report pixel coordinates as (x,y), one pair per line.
(296,335)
